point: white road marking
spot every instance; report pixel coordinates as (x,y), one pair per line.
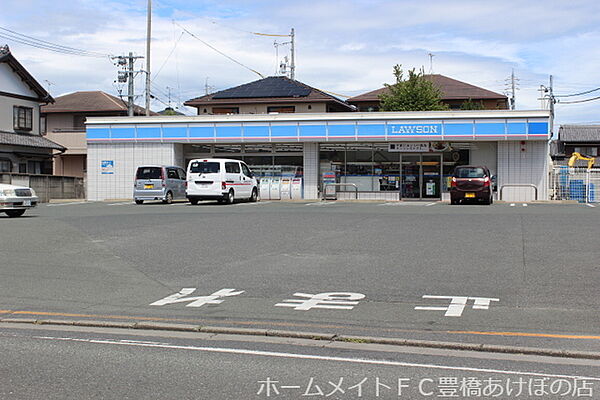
(396,203)
(315,357)
(512,204)
(525,204)
(120,204)
(320,203)
(197,301)
(330,300)
(430,204)
(458,304)
(65,204)
(590,205)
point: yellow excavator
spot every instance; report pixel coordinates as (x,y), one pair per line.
(577,156)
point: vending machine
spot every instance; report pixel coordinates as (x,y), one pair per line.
(296,188)
(286,188)
(265,184)
(275,188)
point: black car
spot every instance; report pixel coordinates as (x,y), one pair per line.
(472,183)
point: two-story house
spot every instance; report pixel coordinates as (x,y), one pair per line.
(454,94)
(23,149)
(65,124)
(275,94)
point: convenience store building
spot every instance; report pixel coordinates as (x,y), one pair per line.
(383,155)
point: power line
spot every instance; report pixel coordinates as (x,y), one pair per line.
(45,45)
(169,56)
(577,94)
(218,51)
(579,101)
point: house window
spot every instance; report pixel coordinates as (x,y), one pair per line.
(225,110)
(43,125)
(22,118)
(5,165)
(79,122)
(281,109)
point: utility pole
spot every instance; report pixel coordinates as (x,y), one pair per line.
(148,35)
(431,55)
(512,84)
(130,90)
(512,88)
(127,75)
(547,95)
(293,60)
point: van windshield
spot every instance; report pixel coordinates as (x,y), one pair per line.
(149,173)
(204,167)
(469,173)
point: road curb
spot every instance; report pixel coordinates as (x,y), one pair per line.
(481,347)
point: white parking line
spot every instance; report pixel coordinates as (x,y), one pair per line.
(512,204)
(65,204)
(524,204)
(120,204)
(320,203)
(590,205)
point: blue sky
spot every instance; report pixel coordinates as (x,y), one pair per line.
(346,47)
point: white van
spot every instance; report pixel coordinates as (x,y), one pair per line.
(220,179)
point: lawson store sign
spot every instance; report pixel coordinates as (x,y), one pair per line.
(182,131)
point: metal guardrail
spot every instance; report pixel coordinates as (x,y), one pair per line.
(340,184)
(519,185)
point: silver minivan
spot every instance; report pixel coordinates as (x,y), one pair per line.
(159,182)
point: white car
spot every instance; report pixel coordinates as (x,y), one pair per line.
(220,179)
(14,200)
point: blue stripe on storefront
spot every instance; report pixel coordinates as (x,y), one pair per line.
(318,131)
(371,130)
(313,131)
(253,131)
(341,130)
(202,132)
(229,132)
(174,131)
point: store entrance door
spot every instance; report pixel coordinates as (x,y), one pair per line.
(421,176)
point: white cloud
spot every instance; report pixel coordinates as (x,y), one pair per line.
(346,47)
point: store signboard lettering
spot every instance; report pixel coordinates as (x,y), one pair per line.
(108,167)
(409,147)
(414,130)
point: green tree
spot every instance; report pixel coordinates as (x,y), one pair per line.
(416,93)
(472,105)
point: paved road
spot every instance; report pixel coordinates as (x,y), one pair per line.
(536,265)
(56,363)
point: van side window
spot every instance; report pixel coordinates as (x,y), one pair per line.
(172,173)
(232,167)
(246,171)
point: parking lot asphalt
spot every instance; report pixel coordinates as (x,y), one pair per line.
(503,274)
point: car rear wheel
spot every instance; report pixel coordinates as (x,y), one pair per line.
(254,196)
(139,202)
(14,213)
(168,198)
(230,197)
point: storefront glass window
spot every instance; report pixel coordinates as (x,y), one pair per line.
(386,168)
(359,166)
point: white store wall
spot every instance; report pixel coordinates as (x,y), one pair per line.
(311,171)
(127,157)
(523,163)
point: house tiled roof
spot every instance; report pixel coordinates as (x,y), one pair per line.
(7,57)
(451,89)
(273,89)
(22,139)
(579,133)
(91,101)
